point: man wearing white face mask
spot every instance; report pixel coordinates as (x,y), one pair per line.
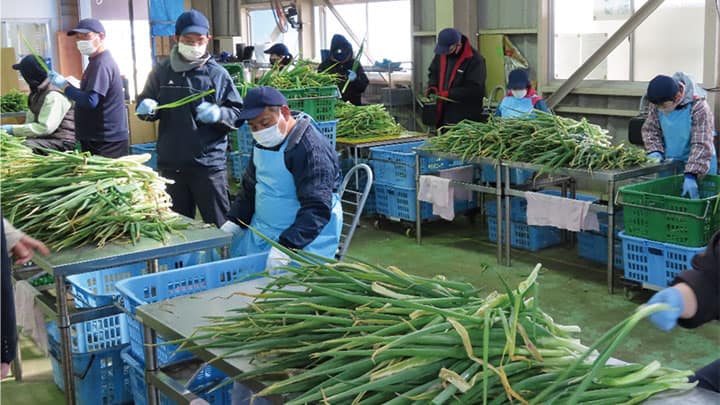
(101,123)
(680,126)
(522,98)
(289,189)
(192,139)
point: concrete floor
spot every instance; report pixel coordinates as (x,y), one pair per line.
(572,290)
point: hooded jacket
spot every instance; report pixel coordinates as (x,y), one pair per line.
(341,49)
(463,77)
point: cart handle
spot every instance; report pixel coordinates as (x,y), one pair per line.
(619,201)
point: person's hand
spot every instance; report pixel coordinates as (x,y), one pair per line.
(430,90)
(275,259)
(351,75)
(666,320)
(24,250)
(4,370)
(232,228)
(146,107)
(57,79)
(7,128)
(208,113)
(655,155)
(690,187)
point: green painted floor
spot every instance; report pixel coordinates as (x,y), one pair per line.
(573,291)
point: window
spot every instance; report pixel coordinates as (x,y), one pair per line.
(264,33)
(669,40)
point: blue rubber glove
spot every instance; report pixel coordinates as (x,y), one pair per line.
(208,113)
(690,187)
(351,75)
(655,155)
(146,107)
(667,320)
(57,79)
(7,128)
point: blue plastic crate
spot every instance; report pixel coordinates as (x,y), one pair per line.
(518,205)
(524,236)
(146,148)
(655,263)
(243,141)
(517,176)
(394,165)
(100,377)
(175,283)
(328,129)
(239,161)
(603,221)
(96,334)
(97,288)
(399,203)
(593,246)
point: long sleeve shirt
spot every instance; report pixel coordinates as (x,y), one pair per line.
(701,136)
(12,234)
(51,115)
(704,279)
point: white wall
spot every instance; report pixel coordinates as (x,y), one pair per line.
(32,10)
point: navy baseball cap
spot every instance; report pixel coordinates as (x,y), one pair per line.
(518,79)
(661,89)
(87,25)
(258,98)
(192,22)
(447,38)
(278,49)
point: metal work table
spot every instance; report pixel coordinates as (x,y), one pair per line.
(353,148)
(179,317)
(85,259)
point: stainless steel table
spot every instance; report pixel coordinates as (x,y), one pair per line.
(178,318)
(85,259)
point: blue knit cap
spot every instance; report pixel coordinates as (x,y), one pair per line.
(661,89)
(518,79)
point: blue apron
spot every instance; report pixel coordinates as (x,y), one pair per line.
(516,107)
(276,206)
(677,127)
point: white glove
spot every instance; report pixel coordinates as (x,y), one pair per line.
(275,259)
(232,228)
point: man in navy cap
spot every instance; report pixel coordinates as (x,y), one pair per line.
(680,126)
(289,189)
(341,63)
(192,139)
(457,72)
(101,123)
(279,55)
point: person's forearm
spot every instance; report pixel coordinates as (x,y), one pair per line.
(12,235)
(82,98)
(49,118)
(689,300)
(652,135)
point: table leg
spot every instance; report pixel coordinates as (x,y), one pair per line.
(418,218)
(507,211)
(611,237)
(65,347)
(150,365)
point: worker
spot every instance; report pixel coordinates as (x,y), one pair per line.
(280,56)
(457,72)
(49,121)
(289,188)
(22,248)
(680,126)
(522,98)
(101,123)
(695,300)
(346,68)
(192,138)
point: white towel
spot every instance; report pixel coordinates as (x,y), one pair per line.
(28,317)
(437,190)
(464,174)
(560,212)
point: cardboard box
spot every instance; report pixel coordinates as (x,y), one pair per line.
(140,131)
(12,118)
(10,80)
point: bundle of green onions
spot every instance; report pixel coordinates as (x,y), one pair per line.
(298,75)
(341,333)
(367,121)
(13,101)
(547,140)
(68,199)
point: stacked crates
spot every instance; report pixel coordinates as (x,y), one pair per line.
(664,231)
(593,246)
(394,186)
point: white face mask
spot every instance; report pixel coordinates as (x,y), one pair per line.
(519,93)
(86,47)
(269,137)
(192,52)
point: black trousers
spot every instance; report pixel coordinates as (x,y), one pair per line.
(107,149)
(708,377)
(203,187)
(49,143)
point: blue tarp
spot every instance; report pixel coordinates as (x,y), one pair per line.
(163,14)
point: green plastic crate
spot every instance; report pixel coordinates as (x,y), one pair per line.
(318,102)
(654,210)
